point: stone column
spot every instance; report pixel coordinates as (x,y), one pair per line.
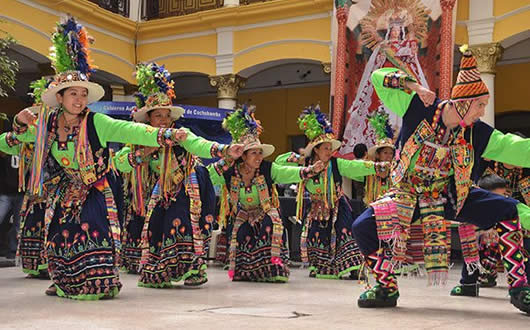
(231,3)
(446,49)
(487,56)
(134,10)
(340,68)
(118,93)
(228,86)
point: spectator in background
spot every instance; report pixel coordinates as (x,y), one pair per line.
(10,200)
(360,151)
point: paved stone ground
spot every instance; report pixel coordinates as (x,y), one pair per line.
(303,303)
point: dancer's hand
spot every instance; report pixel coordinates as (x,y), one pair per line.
(25,117)
(235,151)
(318,166)
(426,95)
(180,135)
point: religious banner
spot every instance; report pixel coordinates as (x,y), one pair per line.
(386,33)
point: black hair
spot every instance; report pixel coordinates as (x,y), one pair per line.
(61,92)
(360,150)
(492,182)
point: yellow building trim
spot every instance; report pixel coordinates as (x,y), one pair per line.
(511,25)
(501,7)
(199,45)
(318,29)
(91,13)
(461,36)
(26,35)
(462,10)
(232,16)
(112,65)
(114,46)
(188,63)
(289,50)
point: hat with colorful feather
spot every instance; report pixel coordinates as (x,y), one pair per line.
(70,56)
(383,131)
(469,86)
(317,128)
(245,129)
(155,91)
(37,88)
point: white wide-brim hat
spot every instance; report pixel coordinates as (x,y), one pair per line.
(157,101)
(71,79)
(142,116)
(386,143)
(335,144)
(251,141)
(268,149)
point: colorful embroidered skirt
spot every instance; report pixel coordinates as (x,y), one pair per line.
(132,243)
(326,260)
(31,243)
(171,255)
(253,251)
(81,250)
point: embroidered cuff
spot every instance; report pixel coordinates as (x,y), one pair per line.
(220,150)
(19,128)
(11,139)
(135,158)
(166,137)
(222,166)
(397,80)
(294,158)
(307,172)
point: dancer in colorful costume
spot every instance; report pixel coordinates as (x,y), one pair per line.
(383,151)
(327,242)
(505,180)
(440,144)
(249,203)
(73,168)
(31,239)
(179,216)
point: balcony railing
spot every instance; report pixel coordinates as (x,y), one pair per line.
(116,6)
(153,9)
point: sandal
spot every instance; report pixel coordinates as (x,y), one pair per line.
(51,290)
(313,274)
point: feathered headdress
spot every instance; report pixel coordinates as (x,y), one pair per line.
(381,125)
(155,90)
(70,57)
(317,128)
(70,50)
(246,129)
(383,131)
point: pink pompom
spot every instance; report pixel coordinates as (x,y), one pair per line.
(231,274)
(277,261)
